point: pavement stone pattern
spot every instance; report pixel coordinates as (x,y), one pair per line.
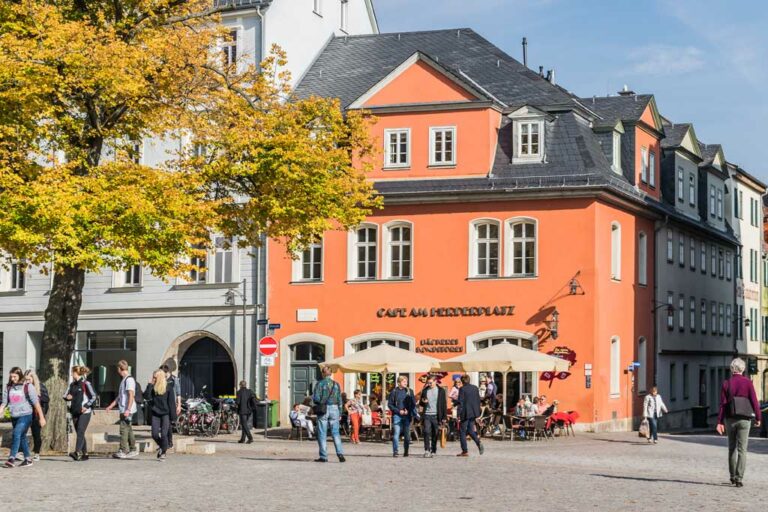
(605,472)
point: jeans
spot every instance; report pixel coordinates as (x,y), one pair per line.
(161,425)
(127,439)
(20,427)
(431,429)
(468,427)
(331,417)
(738,436)
(401,424)
(653,422)
(80,421)
(245,427)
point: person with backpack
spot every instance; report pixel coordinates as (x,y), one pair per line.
(81,397)
(175,385)
(22,400)
(126,404)
(327,400)
(37,439)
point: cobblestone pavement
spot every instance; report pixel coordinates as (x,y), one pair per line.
(589,472)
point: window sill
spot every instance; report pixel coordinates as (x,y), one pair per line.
(615,279)
(206,286)
(397,168)
(124,289)
(527,160)
(441,166)
(13,293)
(368,281)
(308,281)
(614,396)
(501,278)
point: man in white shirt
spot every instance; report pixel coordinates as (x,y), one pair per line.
(126,404)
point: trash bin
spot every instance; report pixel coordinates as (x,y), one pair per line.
(260,415)
(699,416)
(274,414)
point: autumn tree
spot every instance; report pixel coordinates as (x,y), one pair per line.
(82,81)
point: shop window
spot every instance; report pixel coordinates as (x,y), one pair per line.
(519,384)
(370,384)
(101,351)
(484,254)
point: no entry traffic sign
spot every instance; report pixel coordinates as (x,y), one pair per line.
(267,346)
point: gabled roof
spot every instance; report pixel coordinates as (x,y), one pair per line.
(349,66)
(628,108)
(681,136)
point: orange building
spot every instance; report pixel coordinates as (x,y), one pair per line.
(511,213)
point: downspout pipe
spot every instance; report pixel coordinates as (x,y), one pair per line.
(654,300)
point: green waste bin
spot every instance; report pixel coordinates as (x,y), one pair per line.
(274,414)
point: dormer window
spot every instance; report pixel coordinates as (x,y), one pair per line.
(528,141)
(528,137)
(617,152)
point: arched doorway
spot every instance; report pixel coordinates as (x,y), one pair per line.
(206,363)
(305,369)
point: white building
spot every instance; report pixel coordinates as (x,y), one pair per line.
(186,322)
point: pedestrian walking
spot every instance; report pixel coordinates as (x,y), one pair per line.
(469,411)
(738,407)
(126,404)
(653,409)
(355,410)
(175,385)
(402,405)
(37,430)
(22,399)
(163,407)
(81,397)
(245,402)
(327,400)
(433,402)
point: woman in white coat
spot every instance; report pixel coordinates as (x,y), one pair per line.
(652,411)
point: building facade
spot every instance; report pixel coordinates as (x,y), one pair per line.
(490,175)
(194,323)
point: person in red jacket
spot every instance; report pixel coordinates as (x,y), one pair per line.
(738,407)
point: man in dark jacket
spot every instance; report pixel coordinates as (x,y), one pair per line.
(245,403)
(469,411)
(402,405)
(175,384)
(434,403)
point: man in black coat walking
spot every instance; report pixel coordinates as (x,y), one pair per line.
(245,403)
(469,411)
(434,415)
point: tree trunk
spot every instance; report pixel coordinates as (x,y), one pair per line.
(59,334)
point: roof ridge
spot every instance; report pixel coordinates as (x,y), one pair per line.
(403,33)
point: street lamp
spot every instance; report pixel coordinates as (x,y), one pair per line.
(229,300)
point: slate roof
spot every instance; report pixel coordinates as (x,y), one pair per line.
(619,108)
(673,134)
(350,66)
(708,153)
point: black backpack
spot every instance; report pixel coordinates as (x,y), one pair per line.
(138,395)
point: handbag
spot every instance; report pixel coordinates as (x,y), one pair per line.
(443,436)
(739,406)
(645,428)
(321,408)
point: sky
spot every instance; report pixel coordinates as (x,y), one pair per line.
(706,61)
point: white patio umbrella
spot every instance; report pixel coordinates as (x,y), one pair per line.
(505,357)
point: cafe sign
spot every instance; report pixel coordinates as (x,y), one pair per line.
(469,311)
(439,345)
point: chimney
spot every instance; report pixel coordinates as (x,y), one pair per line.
(551,76)
(541,71)
(525,51)
(626,91)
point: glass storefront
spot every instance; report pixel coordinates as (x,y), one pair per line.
(370,383)
(519,384)
(100,351)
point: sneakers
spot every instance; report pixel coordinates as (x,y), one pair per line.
(655,441)
(321,460)
(9,463)
(481,448)
(427,455)
(119,455)
(395,454)
(249,441)
(20,457)
(161,457)
(26,463)
(463,454)
(342,458)
(84,457)
(36,457)
(131,454)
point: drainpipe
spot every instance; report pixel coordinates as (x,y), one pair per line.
(653,303)
(260,57)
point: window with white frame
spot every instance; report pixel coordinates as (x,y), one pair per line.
(398,251)
(229,48)
(681,250)
(681,312)
(692,305)
(670,247)
(485,261)
(670,310)
(615,366)
(522,247)
(198,273)
(365,251)
(223,260)
(720,264)
(529,139)
(721,317)
(615,251)
(713,260)
(129,277)
(344,19)
(311,262)
(736,202)
(728,319)
(652,168)
(712,201)
(13,276)
(617,152)
(644,165)
(691,190)
(642,258)
(719,204)
(397,148)
(442,144)
(703,315)
(703,258)
(728,265)
(713,317)
(642,358)
(680,184)
(692,253)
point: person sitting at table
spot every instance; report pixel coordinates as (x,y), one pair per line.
(375,412)
(546,408)
(299,419)
(520,408)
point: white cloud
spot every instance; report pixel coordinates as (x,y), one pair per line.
(661,59)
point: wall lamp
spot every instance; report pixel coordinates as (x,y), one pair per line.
(554,324)
(574,286)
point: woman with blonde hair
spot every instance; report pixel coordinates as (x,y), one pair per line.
(163,403)
(37,439)
(81,397)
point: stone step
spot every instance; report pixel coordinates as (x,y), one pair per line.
(180,444)
(114,446)
(201,449)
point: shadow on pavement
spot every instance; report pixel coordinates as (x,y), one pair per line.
(646,479)
(756,445)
